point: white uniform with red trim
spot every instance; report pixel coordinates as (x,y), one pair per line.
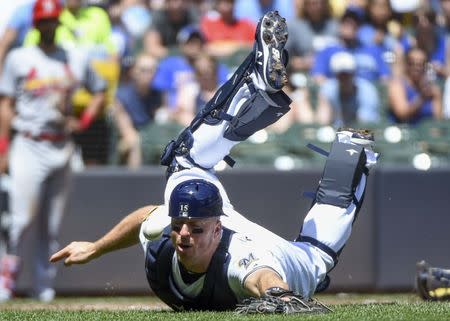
(41,150)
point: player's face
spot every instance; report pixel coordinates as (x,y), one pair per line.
(47,29)
(348,28)
(73,4)
(144,70)
(195,240)
(192,48)
(417,61)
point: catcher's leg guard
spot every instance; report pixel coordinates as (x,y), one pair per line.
(338,199)
(236,111)
(209,115)
(342,173)
(249,111)
(260,110)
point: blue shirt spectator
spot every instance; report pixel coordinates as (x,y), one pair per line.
(426,108)
(375,30)
(312,30)
(362,107)
(367,34)
(21,22)
(141,109)
(431,40)
(414,96)
(346,99)
(369,62)
(134,109)
(175,71)
(255,9)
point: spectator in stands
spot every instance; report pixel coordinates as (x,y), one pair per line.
(194,95)
(445,30)
(301,111)
(312,30)
(346,100)
(130,20)
(176,71)
(414,96)
(202,6)
(376,31)
(134,107)
(430,40)
(445,11)
(80,25)
(369,61)
(226,34)
(338,7)
(16,29)
(254,9)
(166,24)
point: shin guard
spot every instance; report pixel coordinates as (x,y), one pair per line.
(259,111)
(342,173)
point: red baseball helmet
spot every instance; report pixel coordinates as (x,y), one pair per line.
(45,9)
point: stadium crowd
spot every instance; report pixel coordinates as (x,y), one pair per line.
(381,63)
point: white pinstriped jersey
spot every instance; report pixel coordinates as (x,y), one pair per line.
(251,248)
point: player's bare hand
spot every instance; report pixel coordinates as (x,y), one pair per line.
(72,124)
(3,163)
(129,142)
(75,253)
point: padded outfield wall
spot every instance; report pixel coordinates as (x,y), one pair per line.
(405,218)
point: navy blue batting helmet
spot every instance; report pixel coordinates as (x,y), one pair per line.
(195,198)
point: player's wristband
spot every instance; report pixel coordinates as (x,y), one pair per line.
(277,291)
(4,145)
(86,120)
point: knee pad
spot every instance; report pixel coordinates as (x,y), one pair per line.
(213,113)
(259,111)
(218,104)
(342,173)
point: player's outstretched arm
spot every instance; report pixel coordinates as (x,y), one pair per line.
(263,279)
(272,295)
(124,234)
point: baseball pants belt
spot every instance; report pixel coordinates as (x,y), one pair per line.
(52,137)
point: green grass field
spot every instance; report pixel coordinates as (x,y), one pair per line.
(346,307)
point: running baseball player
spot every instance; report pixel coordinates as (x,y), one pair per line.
(38,81)
(203,255)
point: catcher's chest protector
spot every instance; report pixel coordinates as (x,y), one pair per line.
(216,293)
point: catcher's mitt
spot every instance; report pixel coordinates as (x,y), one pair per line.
(278,300)
(432,283)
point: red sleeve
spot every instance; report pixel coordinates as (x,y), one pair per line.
(205,27)
(250,29)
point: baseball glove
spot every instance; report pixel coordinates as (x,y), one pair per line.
(278,300)
(432,284)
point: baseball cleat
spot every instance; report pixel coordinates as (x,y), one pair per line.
(5,294)
(432,284)
(270,57)
(362,137)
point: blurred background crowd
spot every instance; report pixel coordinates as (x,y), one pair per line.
(380,64)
